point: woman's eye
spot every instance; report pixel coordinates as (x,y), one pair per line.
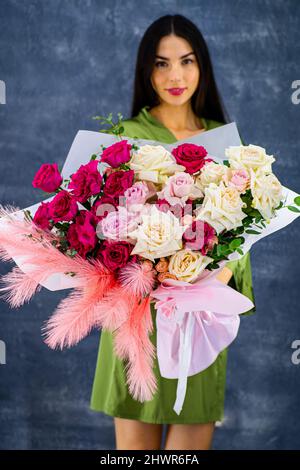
(189,59)
(158,64)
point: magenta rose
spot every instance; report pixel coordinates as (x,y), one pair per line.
(177,210)
(162,205)
(81,234)
(63,207)
(107,204)
(86,182)
(200,236)
(117,183)
(210,238)
(114,255)
(116,154)
(42,216)
(191,156)
(47,178)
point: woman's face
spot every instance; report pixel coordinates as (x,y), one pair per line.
(172,70)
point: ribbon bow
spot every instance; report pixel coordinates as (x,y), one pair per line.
(195,322)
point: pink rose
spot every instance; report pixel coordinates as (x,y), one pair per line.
(47,178)
(114,255)
(116,154)
(191,156)
(118,225)
(137,194)
(239,179)
(63,207)
(179,188)
(200,236)
(103,206)
(42,216)
(86,182)
(117,183)
(81,234)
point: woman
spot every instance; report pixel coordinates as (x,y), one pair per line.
(172,55)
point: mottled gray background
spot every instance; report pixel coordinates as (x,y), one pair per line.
(65,61)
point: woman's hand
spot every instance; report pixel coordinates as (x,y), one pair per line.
(224,275)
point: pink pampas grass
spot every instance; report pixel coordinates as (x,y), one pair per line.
(138,277)
(99,300)
(75,316)
(132,341)
(18,287)
(129,319)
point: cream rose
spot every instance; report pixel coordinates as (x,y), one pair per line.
(159,235)
(267,193)
(153,163)
(211,173)
(249,156)
(187,265)
(221,207)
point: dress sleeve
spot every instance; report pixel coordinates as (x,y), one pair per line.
(241,279)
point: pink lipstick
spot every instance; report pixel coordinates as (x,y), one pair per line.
(176,91)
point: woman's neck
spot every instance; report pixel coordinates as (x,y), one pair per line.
(177,118)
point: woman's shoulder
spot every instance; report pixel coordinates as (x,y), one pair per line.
(132,127)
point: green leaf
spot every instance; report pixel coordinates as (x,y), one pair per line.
(253,232)
(93,157)
(240,251)
(297,200)
(279,206)
(293,209)
(123,166)
(115,128)
(235,244)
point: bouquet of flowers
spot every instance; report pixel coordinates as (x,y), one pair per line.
(137,224)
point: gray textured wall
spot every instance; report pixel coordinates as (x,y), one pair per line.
(65,61)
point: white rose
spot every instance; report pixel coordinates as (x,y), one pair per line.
(159,235)
(153,163)
(187,265)
(222,207)
(267,193)
(249,156)
(211,172)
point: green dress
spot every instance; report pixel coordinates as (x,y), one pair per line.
(205,394)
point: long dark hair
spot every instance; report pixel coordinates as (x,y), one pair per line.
(206,101)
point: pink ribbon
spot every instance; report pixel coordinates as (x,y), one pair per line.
(195,322)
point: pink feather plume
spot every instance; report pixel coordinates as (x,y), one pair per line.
(99,300)
(138,277)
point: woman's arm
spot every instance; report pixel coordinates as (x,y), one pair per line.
(224,275)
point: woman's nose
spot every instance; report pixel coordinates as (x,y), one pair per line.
(175,72)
